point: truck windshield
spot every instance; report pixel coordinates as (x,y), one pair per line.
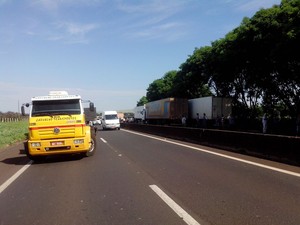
(55,107)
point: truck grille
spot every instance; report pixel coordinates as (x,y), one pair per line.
(54,132)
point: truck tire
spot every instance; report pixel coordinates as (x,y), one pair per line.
(92,148)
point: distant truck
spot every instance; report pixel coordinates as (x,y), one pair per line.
(213,107)
(110,120)
(139,114)
(90,115)
(57,125)
(166,111)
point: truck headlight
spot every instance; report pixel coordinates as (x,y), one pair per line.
(78,141)
(35,144)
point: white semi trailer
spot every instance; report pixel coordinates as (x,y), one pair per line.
(139,114)
(213,107)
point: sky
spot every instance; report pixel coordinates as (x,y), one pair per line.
(107,51)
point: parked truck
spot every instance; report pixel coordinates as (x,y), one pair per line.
(213,107)
(139,114)
(57,125)
(166,111)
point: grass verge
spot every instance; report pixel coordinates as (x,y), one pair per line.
(12,132)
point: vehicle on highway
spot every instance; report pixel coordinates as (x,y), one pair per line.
(171,110)
(213,107)
(97,121)
(165,111)
(57,126)
(139,114)
(110,120)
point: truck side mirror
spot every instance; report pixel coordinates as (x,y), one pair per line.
(92,107)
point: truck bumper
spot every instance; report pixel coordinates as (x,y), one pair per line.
(59,146)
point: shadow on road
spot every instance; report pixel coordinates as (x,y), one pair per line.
(23,159)
(20,160)
(59,159)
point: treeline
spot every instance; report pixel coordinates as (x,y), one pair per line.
(257,64)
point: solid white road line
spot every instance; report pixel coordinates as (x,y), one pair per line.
(174,206)
(14,177)
(221,155)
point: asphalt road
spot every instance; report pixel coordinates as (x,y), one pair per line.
(137,180)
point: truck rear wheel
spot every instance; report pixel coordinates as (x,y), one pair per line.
(92,148)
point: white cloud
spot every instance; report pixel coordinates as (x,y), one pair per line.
(47,4)
(71,32)
(148,19)
(56,4)
(153,19)
(167,31)
(76,28)
(154,6)
(255,5)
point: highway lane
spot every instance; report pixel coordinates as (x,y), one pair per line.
(114,187)
(216,189)
(11,161)
(103,189)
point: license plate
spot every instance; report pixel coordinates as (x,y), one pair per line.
(57,143)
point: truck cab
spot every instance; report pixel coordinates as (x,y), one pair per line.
(57,126)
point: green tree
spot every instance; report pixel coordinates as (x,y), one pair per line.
(142,101)
(192,79)
(163,87)
(257,64)
(259,60)
(232,73)
(270,41)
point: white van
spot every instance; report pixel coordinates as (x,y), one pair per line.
(110,120)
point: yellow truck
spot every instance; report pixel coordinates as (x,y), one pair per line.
(57,126)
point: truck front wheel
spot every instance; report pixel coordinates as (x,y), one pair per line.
(92,148)
(31,157)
